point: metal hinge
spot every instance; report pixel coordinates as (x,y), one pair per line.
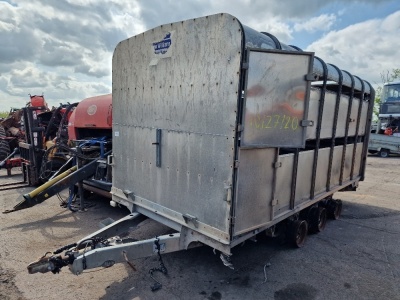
(240,127)
(277,164)
(236,164)
(274,202)
(245,66)
(307,123)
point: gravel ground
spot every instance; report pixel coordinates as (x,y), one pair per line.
(356,257)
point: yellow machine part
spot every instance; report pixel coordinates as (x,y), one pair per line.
(53,151)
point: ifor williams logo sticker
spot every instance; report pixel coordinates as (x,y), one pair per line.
(162,46)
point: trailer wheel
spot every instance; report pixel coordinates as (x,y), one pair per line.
(334,209)
(317,219)
(298,233)
(383,153)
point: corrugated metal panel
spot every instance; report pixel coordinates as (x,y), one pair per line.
(357,164)
(304,177)
(284,183)
(254,188)
(327,117)
(322,170)
(347,162)
(363,119)
(353,117)
(336,164)
(342,117)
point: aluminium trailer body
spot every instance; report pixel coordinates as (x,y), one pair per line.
(221,132)
(206,120)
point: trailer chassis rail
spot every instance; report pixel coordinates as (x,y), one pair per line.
(108,256)
(104,248)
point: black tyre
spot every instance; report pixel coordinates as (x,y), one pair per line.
(334,209)
(383,153)
(4,146)
(317,219)
(297,233)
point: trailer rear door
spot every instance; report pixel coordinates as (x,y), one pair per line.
(274,115)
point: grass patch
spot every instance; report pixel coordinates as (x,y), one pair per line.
(4,114)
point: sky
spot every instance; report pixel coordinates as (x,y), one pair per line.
(63,48)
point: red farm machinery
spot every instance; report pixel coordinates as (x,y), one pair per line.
(26,134)
(76,158)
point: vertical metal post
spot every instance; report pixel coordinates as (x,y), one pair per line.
(346,134)
(80,182)
(334,127)
(294,178)
(241,104)
(24,171)
(367,130)
(319,125)
(158,148)
(357,127)
(273,192)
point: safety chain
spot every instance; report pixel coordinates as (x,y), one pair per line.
(157,285)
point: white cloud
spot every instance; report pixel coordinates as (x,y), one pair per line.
(365,49)
(61,48)
(64,48)
(279,29)
(321,23)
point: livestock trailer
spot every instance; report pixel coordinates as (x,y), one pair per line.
(221,132)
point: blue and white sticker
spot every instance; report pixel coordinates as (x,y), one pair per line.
(162,46)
